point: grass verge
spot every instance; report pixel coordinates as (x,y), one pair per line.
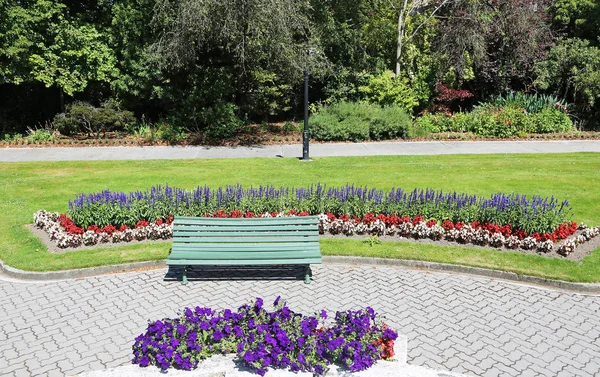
(28,187)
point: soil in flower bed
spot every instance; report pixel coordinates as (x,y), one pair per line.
(270,134)
(580,252)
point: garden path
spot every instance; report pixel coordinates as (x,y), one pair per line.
(465,324)
(295,150)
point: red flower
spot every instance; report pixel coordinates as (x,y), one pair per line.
(418,219)
(141,224)
(110,229)
(447,225)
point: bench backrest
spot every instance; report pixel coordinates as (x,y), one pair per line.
(289,240)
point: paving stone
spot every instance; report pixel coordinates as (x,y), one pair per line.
(461,323)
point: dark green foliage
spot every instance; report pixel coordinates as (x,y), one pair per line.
(206,63)
(82,117)
(391,122)
(578,18)
(359,121)
(491,47)
(572,71)
(221,121)
(170,132)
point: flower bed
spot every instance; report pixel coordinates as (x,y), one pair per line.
(264,339)
(62,230)
(531,215)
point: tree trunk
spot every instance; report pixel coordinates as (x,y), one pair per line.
(400,36)
(61,99)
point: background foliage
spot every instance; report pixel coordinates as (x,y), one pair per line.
(201,63)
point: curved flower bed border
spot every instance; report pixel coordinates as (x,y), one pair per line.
(67,235)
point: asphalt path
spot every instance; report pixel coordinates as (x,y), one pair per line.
(295,150)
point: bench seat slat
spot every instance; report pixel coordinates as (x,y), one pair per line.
(184,220)
(241,238)
(248,228)
(256,255)
(246,247)
(243,262)
(183,234)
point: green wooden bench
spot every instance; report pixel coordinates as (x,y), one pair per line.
(206,241)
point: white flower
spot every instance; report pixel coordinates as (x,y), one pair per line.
(103,237)
(391,230)
(567,247)
(481,237)
(405,229)
(336,227)
(512,242)
(90,238)
(528,243)
(546,246)
(420,230)
(377,227)
(361,228)
(497,240)
(436,232)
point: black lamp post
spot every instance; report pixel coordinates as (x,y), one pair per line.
(306,133)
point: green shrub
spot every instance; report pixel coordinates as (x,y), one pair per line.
(221,121)
(391,122)
(552,120)
(505,122)
(40,135)
(328,127)
(387,89)
(170,132)
(83,117)
(291,127)
(358,121)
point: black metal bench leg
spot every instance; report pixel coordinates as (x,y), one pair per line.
(307,275)
(184,279)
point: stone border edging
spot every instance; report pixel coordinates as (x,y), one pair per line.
(347,260)
(76,273)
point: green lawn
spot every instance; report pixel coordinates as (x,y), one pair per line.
(27,187)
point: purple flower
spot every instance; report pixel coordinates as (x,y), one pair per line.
(218,335)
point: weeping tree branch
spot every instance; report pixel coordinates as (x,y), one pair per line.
(406,10)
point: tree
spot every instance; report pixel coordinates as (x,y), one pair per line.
(492,45)
(572,71)
(578,18)
(406,13)
(240,44)
(40,43)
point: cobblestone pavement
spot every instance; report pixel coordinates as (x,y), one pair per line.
(472,325)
